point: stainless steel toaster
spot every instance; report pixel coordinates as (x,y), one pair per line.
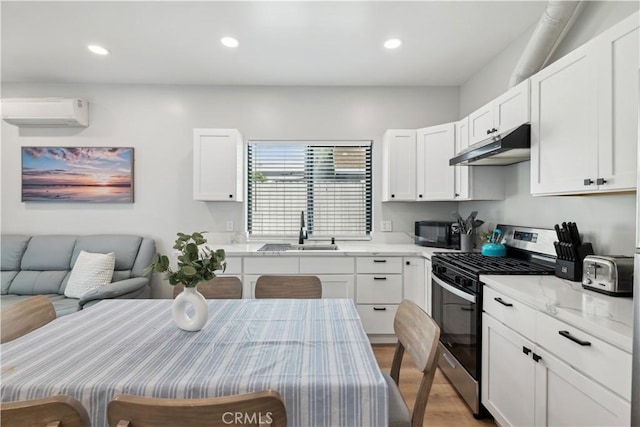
(608,274)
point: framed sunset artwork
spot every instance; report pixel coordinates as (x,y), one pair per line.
(77,174)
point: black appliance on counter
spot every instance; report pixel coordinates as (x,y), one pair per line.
(457,300)
(437,234)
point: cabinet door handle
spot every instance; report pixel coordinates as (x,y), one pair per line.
(536,357)
(588,181)
(488,131)
(506,304)
(420,196)
(526,350)
(465,308)
(379,260)
(601,181)
(393,195)
(379,278)
(568,335)
(231,196)
(380,308)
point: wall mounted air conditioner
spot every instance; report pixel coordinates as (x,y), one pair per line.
(45,112)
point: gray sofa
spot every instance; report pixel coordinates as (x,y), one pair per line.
(41,265)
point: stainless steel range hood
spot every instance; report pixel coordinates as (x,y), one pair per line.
(506,148)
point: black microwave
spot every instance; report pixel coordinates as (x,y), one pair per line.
(438,234)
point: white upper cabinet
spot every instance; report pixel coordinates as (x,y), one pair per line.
(475,182)
(435,146)
(218,159)
(509,110)
(618,89)
(584,117)
(461,188)
(399,165)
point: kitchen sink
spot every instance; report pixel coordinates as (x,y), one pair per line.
(280,247)
(313,247)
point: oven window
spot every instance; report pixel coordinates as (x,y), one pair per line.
(457,319)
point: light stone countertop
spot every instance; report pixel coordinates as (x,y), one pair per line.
(608,318)
(344,249)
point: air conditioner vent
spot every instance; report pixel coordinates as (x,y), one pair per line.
(46,112)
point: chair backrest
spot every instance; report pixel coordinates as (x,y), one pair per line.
(25,316)
(249,409)
(288,287)
(54,411)
(217,288)
(418,335)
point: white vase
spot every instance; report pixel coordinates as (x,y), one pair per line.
(190,297)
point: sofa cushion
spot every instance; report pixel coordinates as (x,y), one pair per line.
(6,278)
(48,253)
(90,271)
(124,246)
(29,282)
(13,247)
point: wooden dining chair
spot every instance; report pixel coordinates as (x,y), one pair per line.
(418,335)
(25,316)
(217,288)
(288,287)
(54,411)
(251,409)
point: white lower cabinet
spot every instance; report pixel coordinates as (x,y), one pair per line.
(413,277)
(508,374)
(564,397)
(427,286)
(377,318)
(539,379)
(379,291)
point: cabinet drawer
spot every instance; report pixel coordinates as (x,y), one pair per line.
(271,265)
(326,265)
(510,312)
(379,288)
(377,319)
(379,265)
(234,267)
(603,362)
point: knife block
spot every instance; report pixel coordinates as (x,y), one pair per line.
(572,269)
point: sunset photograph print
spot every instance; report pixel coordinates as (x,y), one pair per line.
(77,174)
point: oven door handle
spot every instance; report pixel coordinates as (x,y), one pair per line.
(462,294)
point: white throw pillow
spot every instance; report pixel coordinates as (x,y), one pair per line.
(90,271)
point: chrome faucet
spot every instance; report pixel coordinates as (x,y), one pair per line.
(303,230)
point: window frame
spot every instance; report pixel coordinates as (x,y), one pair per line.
(368,191)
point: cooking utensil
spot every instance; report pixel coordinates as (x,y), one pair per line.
(469,221)
(457,216)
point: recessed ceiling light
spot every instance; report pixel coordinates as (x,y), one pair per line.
(392,43)
(98,50)
(229,42)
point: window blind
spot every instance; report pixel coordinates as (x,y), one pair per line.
(330,181)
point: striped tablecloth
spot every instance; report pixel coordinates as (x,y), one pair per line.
(313,352)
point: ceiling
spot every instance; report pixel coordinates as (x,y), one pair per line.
(281,43)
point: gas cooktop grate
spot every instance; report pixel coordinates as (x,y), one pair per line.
(481,264)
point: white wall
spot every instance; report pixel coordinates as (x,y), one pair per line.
(158,122)
(608,221)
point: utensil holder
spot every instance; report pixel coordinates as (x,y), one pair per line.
(571,269)
(466,242)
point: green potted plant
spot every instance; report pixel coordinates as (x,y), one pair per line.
(196,263)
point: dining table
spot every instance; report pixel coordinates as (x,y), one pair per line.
(314,352)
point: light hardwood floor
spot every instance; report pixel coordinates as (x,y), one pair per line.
(445,408)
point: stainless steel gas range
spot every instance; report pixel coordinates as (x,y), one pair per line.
(457,300)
